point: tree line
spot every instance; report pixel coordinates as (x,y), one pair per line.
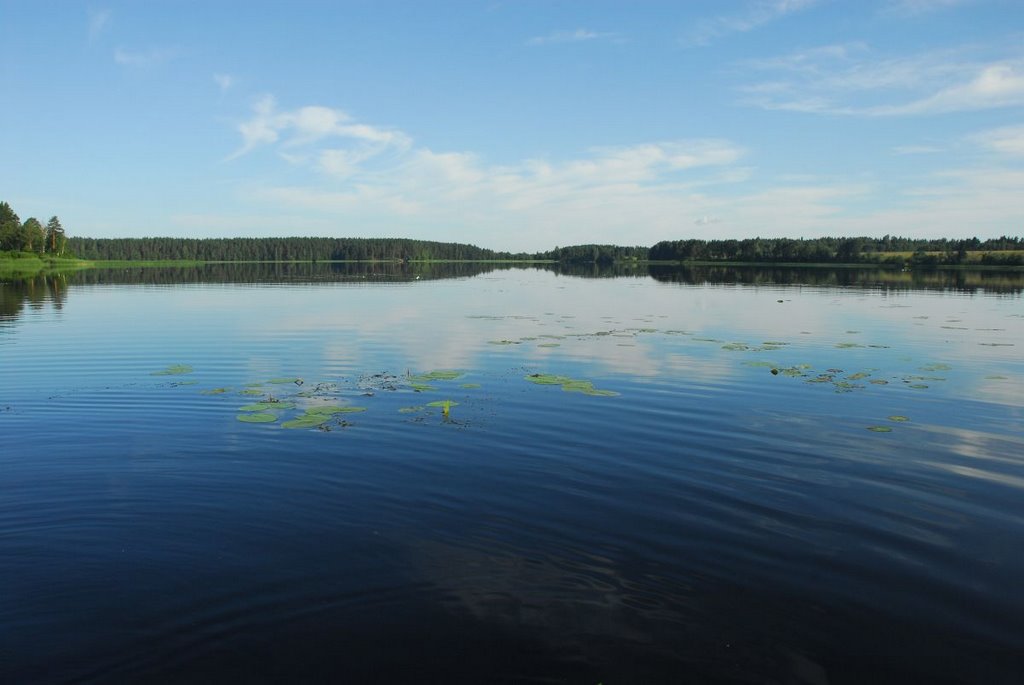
(887,249)
(30,235)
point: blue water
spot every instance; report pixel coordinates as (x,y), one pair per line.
(710,522)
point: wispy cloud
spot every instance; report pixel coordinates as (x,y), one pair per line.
(850,80)
(916,149)
(1008,140)
(294,131)
(755,15)
(98,22)
(907,8)
(143,58)
(224,81)
(577,36)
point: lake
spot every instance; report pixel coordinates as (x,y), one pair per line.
(467,474)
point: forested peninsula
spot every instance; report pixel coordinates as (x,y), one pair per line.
(24,241)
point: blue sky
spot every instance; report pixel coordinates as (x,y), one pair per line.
(516,125)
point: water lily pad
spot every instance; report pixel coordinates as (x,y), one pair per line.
(257,418)
(284,381)
(421,387)
(174,370)
(848,345)
(857,376)
(918,386)
(264,406)
(936,367)
(880,429)
(878,381)
(251,392)
(441,375)
(549,345)
(307,421)
(736,347)
(328,409)
(898,419)
(503,342)
(442,403)
(214,391)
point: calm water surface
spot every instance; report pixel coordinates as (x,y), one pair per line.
(772,477)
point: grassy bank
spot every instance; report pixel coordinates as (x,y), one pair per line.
(23,264)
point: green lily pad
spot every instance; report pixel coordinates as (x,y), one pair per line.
(547,379)
(284,381)
(442,375)
(328,409)
(307,421)
(848,345)
(214,391)
(918,386)
(264,406)
(251,392)
(256,418)
(880,429)
(857,376)
(174,370)
(898,419)
(503,342)
(878,381)
(736,347)
(421,387)
(442,403)
(936,367)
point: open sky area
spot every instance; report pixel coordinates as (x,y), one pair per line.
(516,125)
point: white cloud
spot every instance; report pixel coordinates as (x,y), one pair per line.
(306,126)
(144,58)
(98,22)
(754,16)
(915,7)
(577,36)
(1008,140)
(849,80)
(916,149)
(224,81)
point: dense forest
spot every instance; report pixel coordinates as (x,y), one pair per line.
(278,249)
(888,249)
(32,237)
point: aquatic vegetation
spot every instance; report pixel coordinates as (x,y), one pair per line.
(250,392)
(736,347)
(469,386)
(214,391)
(285,381)
(918,386)
(445,405)
(935,367)
(898,419)
(570,384)
(503,342)
(257,418)
(264,406)
(549,345)
(848,345)
(442,375)
(878,381)
(328,409)
(880,429)
(174,370)
(421,387)
(307,421)
(857,376)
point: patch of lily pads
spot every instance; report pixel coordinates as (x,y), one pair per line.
(570,384)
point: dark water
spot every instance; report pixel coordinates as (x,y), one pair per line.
(710,522)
